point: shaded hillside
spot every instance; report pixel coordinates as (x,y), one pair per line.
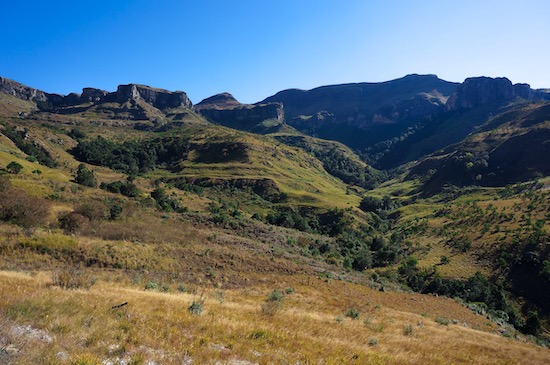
(337,159)
(142,194)
(511,147)
(402,120)
(225,110)
(365,113)
(367,104)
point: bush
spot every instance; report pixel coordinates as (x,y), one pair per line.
(196,307)
(276,296)
(352,313)
(93,210)
(14,167)
(408,330)
(128,189)
(73,222)
(270,308)
(273,303)
(85,177)
(166,203)
(22,209)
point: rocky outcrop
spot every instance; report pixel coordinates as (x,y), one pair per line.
(90,94)
(476,91)
(218,101)
(159,98)
(366,105)
(21,91)
(225,110)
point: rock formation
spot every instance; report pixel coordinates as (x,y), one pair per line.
(476,91)
(21,91)
(159,98)
(224,109)
(90,94)
(363,104)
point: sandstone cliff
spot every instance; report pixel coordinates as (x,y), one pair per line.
(476,91)
(21,91)
(225,110)
(159,98)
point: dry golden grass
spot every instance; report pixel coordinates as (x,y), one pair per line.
(68,326)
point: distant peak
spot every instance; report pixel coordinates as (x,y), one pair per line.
(219,101)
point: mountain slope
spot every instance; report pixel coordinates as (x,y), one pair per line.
(509,148)
(187,241)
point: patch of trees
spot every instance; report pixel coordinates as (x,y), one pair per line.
(126,188)
(14,167)
(525,265)
(331,222)
(338,164)
(356,247)
(85,177)
(132,157)
(483,294)
(381,207)
(20,137)
(165,202)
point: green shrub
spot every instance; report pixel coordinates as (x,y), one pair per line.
(14,167)
(151,286)
(276,296)
(196,307)
(352,313)
(85,177)
(408,330)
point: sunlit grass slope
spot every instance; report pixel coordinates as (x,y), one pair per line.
(310,326)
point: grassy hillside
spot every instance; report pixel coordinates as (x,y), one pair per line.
(509,148)
(177,241)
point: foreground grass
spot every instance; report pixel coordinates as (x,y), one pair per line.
(42,323)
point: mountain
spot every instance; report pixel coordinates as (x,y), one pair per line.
(508,148)
(401,120)
(364,113)
(225,110)
(136,227)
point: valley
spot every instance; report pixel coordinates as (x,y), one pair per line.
(403,222)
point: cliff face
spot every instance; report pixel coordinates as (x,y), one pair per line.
(90,94)
(476,91)
(158,98)
(21,91)
(362,105)
(225,110)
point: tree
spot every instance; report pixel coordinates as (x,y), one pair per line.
(14,168)
(85,177)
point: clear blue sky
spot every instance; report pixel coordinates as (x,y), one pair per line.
(254,48)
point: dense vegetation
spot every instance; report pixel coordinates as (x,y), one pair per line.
(132,157)
(20,136)
(337,162)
